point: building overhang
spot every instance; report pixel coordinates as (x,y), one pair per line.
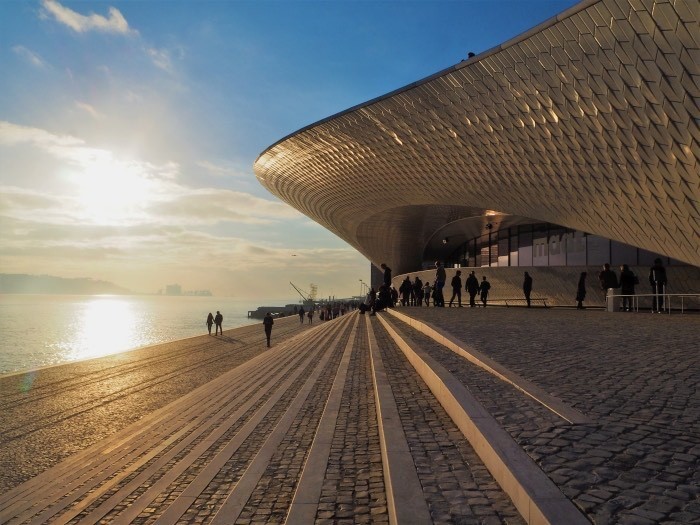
(588,121)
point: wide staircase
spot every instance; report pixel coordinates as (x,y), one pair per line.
(357,420)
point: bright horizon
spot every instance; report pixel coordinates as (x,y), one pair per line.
(128,130)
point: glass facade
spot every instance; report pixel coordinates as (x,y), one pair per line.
(547,245)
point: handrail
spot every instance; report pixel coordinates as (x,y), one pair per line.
(666,299)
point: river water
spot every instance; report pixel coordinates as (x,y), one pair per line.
(44,330)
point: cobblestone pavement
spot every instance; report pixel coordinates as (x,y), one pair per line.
(635,375)
(49,414)
(456,484)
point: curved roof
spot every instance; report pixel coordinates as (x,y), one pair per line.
(589,121)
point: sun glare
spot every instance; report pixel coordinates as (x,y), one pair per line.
(109,325)
(111,192)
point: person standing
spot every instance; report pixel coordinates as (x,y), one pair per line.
(627,282)
(387,275)
(472,286)
(657,280)
(268,321)
(607,278)
(418,291)
(426,293)
(210,321)
(217,321)
(456,289)
(310,315)
(581,291)
(527,288)
(440,278)
(484,290)
(301,315)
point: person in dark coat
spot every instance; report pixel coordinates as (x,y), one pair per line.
(527,288)
(418,291)
(405,290)
(581,291)
(218,319)
(210,321)
(301,315)
(472,286)
(658,282)
(268,321)
(440,278)
(607,278)
(627,282)
(484,290)
(456,289)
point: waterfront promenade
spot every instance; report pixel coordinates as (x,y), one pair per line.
(569,417)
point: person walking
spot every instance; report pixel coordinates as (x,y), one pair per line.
(658,282)
(310,315)
(627,282)
(217,321)
(210,321)
(301,315)
(527,288)
(472,286)
(581,291)
(268,321)
(456,289)
(440,278)
(484,290)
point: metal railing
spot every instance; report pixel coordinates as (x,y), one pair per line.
(664,298)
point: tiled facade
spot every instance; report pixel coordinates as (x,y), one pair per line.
(589,121)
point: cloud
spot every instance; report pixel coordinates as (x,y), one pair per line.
(160,58)
(89,109)
(30,56)
(114,23)
(219,170)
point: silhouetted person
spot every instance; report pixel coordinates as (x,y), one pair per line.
(217,321)
(310,315)
(427,290)
(386,279)
(456,289)
(383,299)
(657,280)
(268,321)
(472,286)
(607,278)
(405,291)
(484,290)
(627,282)
(581,291)
(210,321)
(527,288)
(418,291)
(440,278)
(301,315)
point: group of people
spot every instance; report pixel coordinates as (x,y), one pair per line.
(626,283)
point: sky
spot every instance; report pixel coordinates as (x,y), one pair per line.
(129,129)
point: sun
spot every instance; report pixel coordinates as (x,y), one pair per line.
(112,192)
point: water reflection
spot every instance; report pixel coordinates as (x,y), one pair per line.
(103,326)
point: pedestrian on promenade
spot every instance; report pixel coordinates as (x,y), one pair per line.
(310,315)
(472,286)
(426,293)
(440,278)
(418,291)
(581,291)
(657,280)
(405,291)
(301,315)
(387,275)
(607,278)
(484,290)
(456,289)
(527,288)
(627,282)
(268,321)
(210,321)
(217,321)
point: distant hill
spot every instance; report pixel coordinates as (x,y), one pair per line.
(47,284)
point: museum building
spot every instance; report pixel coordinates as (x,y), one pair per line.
(572,145)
